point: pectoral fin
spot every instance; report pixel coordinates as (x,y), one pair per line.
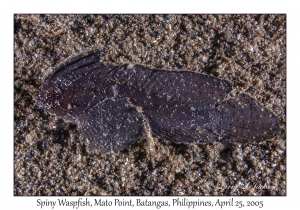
(112,125)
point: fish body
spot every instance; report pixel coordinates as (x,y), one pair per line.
(111,104)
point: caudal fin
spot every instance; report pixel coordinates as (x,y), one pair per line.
(245,120)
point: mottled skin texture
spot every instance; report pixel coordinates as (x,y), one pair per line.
(112,125)
(112,104)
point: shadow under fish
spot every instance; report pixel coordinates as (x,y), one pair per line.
(114,106)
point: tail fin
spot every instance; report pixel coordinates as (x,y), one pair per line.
(245,120)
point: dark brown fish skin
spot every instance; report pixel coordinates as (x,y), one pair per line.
(111,125)
(180,106)
(75,87)
(170,101)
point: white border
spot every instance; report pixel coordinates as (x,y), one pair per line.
(154,6)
